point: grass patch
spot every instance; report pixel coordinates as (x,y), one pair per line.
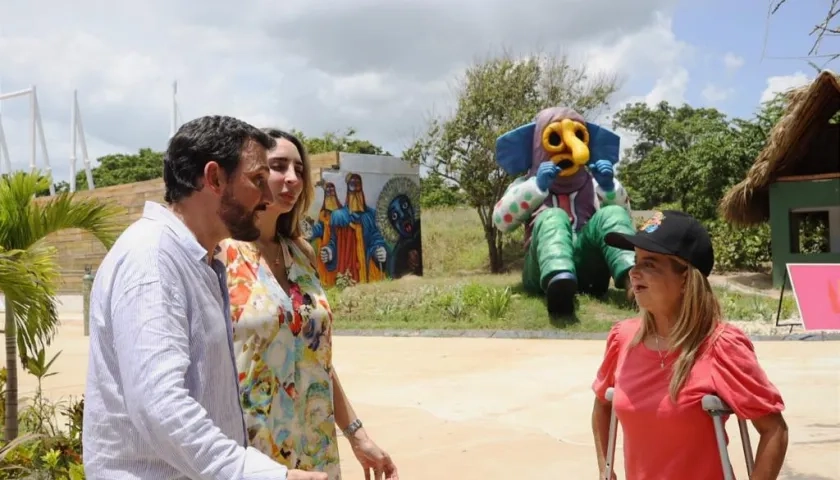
(455,293)
(454,244)
(744,306)
(497,302)
(477,302)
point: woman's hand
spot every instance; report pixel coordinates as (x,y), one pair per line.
(373,458)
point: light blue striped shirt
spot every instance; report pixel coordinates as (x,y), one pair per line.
(162,396)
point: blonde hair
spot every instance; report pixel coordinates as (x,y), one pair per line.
(288,224)
(698,317)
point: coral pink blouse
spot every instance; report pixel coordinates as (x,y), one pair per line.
(667,440)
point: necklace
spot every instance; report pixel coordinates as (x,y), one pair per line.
(279,256)
(661,357)
(265,250)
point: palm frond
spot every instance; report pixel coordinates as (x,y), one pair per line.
(14,275)
(27,280)
(25,222)
(29,274)
(37,326)
(64,211)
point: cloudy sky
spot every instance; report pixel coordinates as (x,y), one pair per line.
(380,66)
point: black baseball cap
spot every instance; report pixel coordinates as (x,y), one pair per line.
(671,232)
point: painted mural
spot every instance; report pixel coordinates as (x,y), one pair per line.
(365,222)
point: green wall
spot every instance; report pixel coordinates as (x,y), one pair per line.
(787,196)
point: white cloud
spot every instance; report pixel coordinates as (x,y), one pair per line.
(714,94)
(783,83)
(664,76)
(732,62)
(375,65)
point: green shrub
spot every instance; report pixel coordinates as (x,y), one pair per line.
(739,248)
(813,233)
(50,444)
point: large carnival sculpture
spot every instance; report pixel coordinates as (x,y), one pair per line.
(569,200)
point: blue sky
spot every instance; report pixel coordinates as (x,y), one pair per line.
(738,26)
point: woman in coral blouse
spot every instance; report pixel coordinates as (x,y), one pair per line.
(662,364)
(291,396)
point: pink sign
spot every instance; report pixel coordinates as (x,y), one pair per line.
(816,287)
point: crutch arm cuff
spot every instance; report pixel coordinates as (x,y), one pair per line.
(713,403)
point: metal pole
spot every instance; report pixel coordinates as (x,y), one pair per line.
(87,284)
(43,139)
(73,144)
(19,93)
(4,150)
(174,125)
(80,132)
(33,130)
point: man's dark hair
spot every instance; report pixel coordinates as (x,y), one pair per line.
(211,138)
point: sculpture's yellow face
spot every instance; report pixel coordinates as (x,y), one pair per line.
(567,144)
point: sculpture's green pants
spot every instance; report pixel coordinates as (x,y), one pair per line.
(555,248)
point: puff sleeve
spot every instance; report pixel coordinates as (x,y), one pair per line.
(739,380)
(605,378)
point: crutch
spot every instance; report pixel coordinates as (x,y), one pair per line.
(610,454)
(717,409)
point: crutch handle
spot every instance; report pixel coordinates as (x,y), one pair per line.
(714,405)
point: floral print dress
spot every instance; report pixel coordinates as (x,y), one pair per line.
(283,349)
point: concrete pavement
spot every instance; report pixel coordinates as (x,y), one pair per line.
(486,409)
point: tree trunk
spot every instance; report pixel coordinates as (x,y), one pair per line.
(494,239)
(494,248)
(11,429)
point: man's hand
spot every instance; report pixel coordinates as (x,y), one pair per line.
(326,254)
(301,475)
(603,172)
(546,174)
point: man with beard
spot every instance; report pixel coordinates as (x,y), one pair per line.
(161,400)
(356,247)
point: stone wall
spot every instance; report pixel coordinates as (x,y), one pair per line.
(77,248)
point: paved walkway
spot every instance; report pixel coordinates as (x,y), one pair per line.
(487,409)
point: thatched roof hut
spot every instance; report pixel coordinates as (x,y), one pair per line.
(787,151)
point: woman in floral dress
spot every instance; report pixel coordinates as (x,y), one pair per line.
(291,397)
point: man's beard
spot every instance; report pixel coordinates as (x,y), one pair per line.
(241,223)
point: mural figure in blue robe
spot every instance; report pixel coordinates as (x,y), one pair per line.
(356,247)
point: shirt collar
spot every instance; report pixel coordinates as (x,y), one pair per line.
(159,213)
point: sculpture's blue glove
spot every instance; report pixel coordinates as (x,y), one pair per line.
(546,174)
(604,174)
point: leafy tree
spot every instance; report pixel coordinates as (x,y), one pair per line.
(28,272)
(147,164)
(435,192)
(122,168)
(495,96)
(689,157)
(337,141)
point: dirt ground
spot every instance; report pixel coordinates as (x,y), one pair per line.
(748,282)
(487,409)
